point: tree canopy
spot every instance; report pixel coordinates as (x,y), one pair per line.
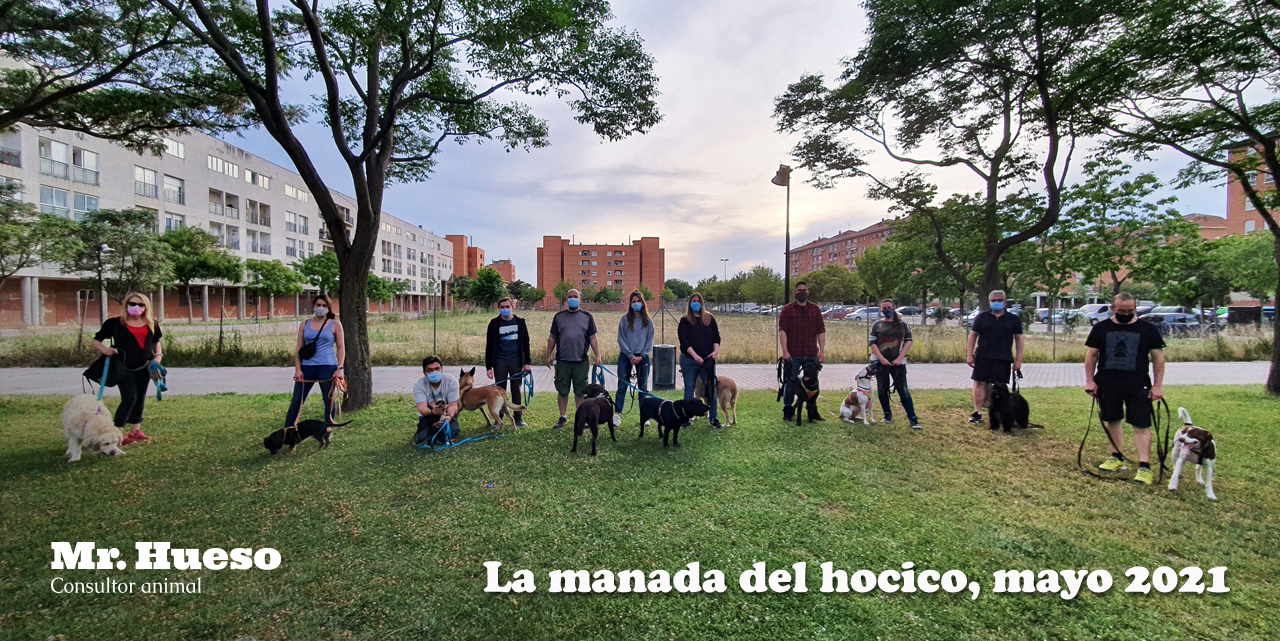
(120,252)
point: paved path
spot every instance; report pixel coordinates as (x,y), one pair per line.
(400,380)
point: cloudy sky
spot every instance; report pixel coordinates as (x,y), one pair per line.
(699,180)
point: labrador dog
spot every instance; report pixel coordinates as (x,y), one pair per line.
(491,397)
(310,428)
(670,416)
(858,404)
(726,393)
(1008,409)
(596,409)
(1194,444)
(87,425)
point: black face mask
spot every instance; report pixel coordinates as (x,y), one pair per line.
(1124,319)
(802,297)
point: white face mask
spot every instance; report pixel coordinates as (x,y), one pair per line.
(322,311)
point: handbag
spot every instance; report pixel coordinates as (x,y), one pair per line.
(308,350)
(114,373)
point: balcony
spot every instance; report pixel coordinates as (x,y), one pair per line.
(232,212)
(175,195)
(64,212)
(82,175)
(264,249)
(145,189)
(324,235)
(232,244)
(217,209)
(55,168)
(11,156)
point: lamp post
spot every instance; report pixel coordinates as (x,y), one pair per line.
(783,179)
(725,261)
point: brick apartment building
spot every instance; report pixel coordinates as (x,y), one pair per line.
(1211,227)
(467,259)
(620,266)
(1242,218)
(841,249)
(506,268)
(256,209)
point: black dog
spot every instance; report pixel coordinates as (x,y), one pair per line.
(1008,409)
(808,390)
(312,428)
(596,408)
(669,415)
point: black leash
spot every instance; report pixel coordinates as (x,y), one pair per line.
(1162,448)
(1087,428)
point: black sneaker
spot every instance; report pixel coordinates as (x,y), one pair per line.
(975,417)
(915,425)
(560,423)
(520,423)
(715,424)
(887,419)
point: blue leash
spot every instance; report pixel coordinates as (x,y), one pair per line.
(102,385)
(153,369)
(450,443)
(528,383)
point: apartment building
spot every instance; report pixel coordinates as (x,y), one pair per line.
(506,268)
(468,258)
(619,266)
(255,208)
(841,249)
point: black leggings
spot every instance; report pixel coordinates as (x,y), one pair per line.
(133,395)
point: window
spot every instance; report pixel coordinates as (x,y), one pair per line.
(386,227)
(290,247)
(396,230)
(399,267)
(144,182)
(11,148)
(386,265)
(396,251)
(175,148)
(264,244)
(54,201)
(290,221)
(311,249)
(593,263)
(1248,204)
(1251,177)
(620,253)
(410,254)
(83,204)
(174,190)
(411,269)
(291,191)
(216,164)
(233,238)
(53,158)
(595,254)
(608,253)
(174,221)
(17,193)
(1268,178)
(304,226)
(84,167)
(1249,226)
(412,236)
(216,230)
(254,177)
(386,248)
(584,253)
(431,273)
(431,259)
(232,169)
(584,262)
(346,214)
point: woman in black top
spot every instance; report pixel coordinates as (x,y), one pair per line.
(506,352)
(135,343)
(699,348)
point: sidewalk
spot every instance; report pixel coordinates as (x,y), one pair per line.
(400,380)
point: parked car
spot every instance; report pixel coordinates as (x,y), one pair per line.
(837,313)
(967,321)
(1269,312)
(1042,314)
(1144,309)
(864,314)
(955,312)
(908,310)
(1096,312)
(1178,324)
(1170,309)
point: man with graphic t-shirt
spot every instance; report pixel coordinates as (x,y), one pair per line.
(1115,372)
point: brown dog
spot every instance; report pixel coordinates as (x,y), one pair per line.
(726,396)
(491,397)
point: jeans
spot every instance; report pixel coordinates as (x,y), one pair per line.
(427,430)
(133,396)
(791,385)
(322,373)
(511,372)
(624,373)
(691,372)
(899,374)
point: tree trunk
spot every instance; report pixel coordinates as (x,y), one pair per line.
(190,316)
(355,328)
(1273,377)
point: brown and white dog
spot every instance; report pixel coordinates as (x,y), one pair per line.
(1194,444)
(87,424)
(726,396)
(491,397)
(859,401)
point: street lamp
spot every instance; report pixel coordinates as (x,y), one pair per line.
(783,179)
(726,267)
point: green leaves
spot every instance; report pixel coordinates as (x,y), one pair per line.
(120,252)
(28,238)
(197,255)
(487,288)
(271,278)
(320,271)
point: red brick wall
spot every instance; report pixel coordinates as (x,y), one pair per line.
(506,269)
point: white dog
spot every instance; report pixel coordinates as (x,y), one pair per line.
(858,403)
(87,424)
(1196,445)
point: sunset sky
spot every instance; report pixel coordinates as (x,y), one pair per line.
(699,180)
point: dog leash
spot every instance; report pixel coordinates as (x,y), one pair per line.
(1162,450)
(158,374)
(527,383)
(339,387)
(1088,427)
(634,392)
(102,386)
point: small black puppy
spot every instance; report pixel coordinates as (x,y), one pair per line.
(669,415)
(312,428)
(809,390)
(596,408)
(1008,409)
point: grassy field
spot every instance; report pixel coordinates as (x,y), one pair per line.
(381,541)
(460,339)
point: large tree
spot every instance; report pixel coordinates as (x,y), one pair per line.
(29,238)
(197,255)
(320,271)
(400,78)
(119,252)
(119,69)
(1207,91)
(998,88)
(487,288)
(271,278)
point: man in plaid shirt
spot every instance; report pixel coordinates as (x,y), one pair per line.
(803,337)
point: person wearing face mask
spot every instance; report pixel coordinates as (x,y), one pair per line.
(436,395)
(890,342)
(699,349)
(803,338)
(506,353)
(635,341)
(991,349)
(1121,349)
(324,365)
(135,340)
(572,330)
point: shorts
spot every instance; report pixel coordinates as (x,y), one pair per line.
(1132,405)
(574,372)
(991,370)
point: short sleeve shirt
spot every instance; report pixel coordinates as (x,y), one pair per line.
(890,337)
(447,391)
(1124,353)
(572,331)
(995,335)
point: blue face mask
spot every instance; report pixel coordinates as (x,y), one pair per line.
(997,305)
(697,307)
(435,377)
(637,306)
(887,312)
(574,302)
(505,313)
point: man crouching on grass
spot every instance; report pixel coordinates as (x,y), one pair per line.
(436,394)
(1115,373)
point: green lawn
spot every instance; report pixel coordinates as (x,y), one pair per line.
(381,541)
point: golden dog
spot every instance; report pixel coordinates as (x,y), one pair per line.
(726,396)
(491,397)
(87,424)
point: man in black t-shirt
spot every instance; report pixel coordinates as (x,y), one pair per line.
(1115,372)
(991,349)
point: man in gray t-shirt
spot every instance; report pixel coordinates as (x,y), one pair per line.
(436,395)
(572,330)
